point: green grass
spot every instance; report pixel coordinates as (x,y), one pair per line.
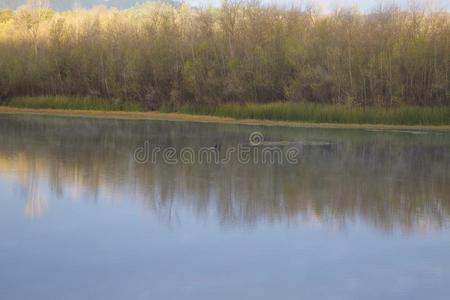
(72,102)
(279,111)
(315,113)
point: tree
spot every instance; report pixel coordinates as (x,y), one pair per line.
(31,17)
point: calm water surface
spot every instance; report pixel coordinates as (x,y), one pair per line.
(362,215)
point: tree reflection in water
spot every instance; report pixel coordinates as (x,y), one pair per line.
(391,180)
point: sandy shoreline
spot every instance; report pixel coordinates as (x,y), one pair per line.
(153,115)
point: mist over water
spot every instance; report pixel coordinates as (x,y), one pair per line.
(372,207)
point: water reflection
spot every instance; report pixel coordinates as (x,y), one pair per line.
(392,181)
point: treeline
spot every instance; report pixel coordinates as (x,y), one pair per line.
(159,54)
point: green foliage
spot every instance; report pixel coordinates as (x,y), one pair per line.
(164,55)
(327,113)
(279,111)
(67,102)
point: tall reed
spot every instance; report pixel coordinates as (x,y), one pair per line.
(322,113)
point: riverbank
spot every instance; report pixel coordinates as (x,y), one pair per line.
(305,112)
(281,111)
(153,115)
